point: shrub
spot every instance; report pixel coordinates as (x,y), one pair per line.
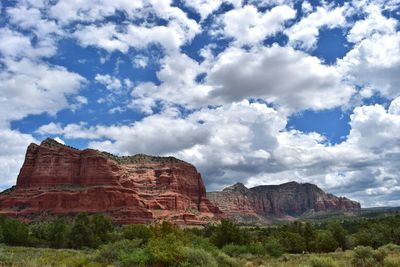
(391,262)
(227,233)
(224,260)
(136,231)
(325,241)
(165,250)
(81,232)
(322,262)
(1,234)
(198,257)
(101,226)
(391,248)
(339,233)
(292,242)
(137,257)
(113,252)
(15,232)
(234,250)
(59,232)
(368,257)
(274,248)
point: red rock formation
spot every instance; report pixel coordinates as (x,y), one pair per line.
(60,180)
(291,199)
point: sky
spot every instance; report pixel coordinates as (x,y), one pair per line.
(251,91)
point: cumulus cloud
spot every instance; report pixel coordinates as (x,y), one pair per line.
(207,7)
(280,75)
(304,34)
(12,150)
(111,83)
(33,88)
(247,26)
(16,45)
(178,85)
(374,23)
(374,62)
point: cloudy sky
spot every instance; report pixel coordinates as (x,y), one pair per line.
(257,91)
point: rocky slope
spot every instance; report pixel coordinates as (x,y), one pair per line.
(286,200)
(59,180)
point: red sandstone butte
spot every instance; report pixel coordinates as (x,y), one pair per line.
(60,180)
(285,201)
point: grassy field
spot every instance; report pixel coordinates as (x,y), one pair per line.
(32,257)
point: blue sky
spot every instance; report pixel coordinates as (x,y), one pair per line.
(256,91)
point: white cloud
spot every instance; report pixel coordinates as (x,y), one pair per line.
(280,75)
(14,44)
(67,11)
(375,23)
(207,7)
(31,18)
(304,34)
(13,145)
(29,87)
(110,38)
(248,26)
(178,85)
(111,83)
(374,64)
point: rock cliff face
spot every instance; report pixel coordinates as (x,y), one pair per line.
(289,199)
(59,180)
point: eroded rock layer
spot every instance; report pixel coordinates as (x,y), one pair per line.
(289,199)
(59,180)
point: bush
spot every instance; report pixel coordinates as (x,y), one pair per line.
(368,257)
(198,257)
(136,231)
(325,241)
(292,242)
(227,233)
(322,262)
(224,260)
(81,232)
(274,248)
(165,250)
(101,226)
(391,248)
(137,257)
(15,232)
(236,250)
(114,252)
(58,233)
(391,262)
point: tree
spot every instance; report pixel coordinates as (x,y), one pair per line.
(339,234)
(59,233)
(325,241)
(308,234)
(101,227)
(136,231)
(15,232)
(227,233)
(81,232)
(292,242)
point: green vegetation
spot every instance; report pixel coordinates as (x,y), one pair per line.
(93,240)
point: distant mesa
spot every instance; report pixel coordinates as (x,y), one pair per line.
(285,201)
(56,179)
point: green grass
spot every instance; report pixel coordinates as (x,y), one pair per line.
(43,257)
(32,257)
